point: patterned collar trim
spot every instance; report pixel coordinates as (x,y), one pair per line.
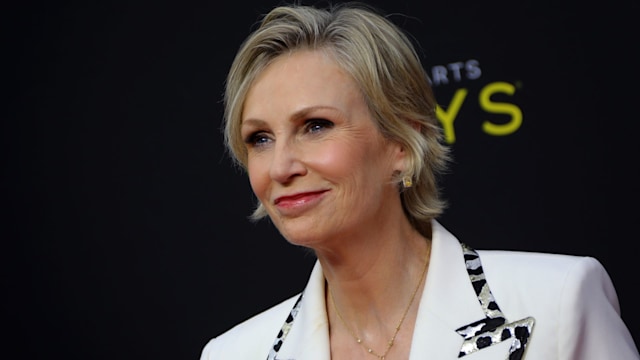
(493,328)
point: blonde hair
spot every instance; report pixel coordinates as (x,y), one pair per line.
(383,62)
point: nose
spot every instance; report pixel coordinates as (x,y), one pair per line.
(287,163)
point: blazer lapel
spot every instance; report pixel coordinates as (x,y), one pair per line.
(448,301)
(458,317)
(308,337)
(494,328)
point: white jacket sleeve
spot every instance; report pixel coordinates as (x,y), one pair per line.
(592,328)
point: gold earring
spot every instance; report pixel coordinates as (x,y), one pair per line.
(407,182)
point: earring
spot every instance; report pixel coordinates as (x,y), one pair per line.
(407,182)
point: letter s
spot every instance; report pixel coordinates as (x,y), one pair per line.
(500,108)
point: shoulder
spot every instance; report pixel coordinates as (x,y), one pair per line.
(547,279)
(571,298)
(550,271)
(251,338)
(543,264)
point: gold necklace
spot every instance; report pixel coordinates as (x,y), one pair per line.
(395,333)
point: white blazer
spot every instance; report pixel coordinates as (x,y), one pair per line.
(567,303)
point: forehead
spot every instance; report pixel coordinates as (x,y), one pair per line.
(300,79)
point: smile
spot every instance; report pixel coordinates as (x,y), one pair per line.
(297,203)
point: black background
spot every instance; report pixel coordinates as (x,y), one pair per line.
(124,223)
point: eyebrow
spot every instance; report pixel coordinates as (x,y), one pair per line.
(253,122)
(304,112)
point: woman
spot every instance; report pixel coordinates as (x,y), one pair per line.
(332,115)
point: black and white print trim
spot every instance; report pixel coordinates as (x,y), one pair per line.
(284,331)
(494,327)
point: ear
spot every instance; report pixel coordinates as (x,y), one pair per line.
(403,160)
(400,158)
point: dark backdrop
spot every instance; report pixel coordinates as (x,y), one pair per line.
(124,224)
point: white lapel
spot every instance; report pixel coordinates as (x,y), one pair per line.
(308,338)
(448,301)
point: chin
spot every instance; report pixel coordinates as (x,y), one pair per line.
(305,240)
(302,236)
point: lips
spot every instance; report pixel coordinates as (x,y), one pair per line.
(295,203)
(297,197)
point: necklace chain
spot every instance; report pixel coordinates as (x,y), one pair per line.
(395,333)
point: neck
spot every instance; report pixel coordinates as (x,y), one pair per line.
(370,311)
(372,287)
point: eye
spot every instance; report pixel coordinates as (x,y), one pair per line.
(256,139)
(316,125)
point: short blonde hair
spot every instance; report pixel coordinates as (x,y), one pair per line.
(383,62)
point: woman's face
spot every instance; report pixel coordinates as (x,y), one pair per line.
(316,160)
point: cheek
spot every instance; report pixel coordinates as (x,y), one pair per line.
(349,166)
(339,160)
